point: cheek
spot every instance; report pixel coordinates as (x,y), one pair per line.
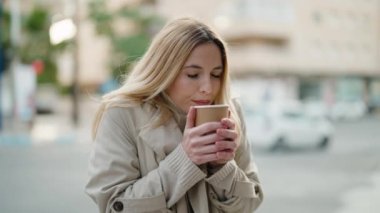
(187,87)
(174,92)
(182,90)
(217,87)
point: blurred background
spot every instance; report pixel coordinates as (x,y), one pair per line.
(307,73)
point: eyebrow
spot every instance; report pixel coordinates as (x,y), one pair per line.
(199,67)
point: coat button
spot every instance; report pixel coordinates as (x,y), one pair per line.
(118,206)
(257,190)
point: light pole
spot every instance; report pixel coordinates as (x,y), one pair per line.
(68,29)
(75,86)
(15,34)
(1,67)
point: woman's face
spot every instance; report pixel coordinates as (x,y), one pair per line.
(200,79)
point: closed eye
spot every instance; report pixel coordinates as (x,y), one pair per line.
(192,75)
(217,73)
(216,76)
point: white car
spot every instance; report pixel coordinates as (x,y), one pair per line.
(348,110)
(291,125)
(47,99)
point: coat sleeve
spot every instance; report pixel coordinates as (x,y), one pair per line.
(115,182)
(235,187)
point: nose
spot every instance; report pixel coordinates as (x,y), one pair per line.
(206,86)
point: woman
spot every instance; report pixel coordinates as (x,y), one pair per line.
(149,156)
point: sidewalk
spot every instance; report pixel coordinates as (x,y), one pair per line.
(53,128)
(364,199)
(46,165)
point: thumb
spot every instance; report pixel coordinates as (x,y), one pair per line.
(190,119)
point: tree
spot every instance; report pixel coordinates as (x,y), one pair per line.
(5,39)
(35,42)
(127,47)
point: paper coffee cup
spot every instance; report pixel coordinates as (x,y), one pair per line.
(209,113)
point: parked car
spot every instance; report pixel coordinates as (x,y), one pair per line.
(277,126)
(47,98)
(374,104)
(348,110)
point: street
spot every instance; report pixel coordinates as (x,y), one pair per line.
(44,179)
(50,176)
(325,181)
(45,170)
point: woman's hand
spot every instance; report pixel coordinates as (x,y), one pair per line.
(212,142)
(226,143)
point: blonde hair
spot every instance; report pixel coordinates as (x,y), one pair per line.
(159,67)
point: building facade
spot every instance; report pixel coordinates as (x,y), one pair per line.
(326,50)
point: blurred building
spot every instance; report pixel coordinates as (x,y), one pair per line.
(324,50)
(94,51)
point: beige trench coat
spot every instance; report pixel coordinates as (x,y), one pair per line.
(136,169)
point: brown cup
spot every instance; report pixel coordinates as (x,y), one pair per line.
(209,113)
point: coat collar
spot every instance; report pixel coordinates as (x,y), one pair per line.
(162,139)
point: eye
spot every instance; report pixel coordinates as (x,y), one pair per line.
(192,75)
(217,74)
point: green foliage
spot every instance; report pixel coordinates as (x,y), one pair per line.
(134,45)
(5,37)
(36,45)
(37,21)
(35,42)
(126,49)
(101,17)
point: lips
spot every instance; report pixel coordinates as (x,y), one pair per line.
(202,102)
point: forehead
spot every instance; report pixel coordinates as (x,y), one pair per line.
(205,53)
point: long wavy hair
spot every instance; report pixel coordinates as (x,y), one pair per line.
(159,67)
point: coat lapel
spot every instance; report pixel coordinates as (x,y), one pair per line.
(163,139)
(198,197)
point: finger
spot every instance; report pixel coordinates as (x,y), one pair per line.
(225,155)
(209,149)
(219,146)
(201,141)
(229,123)
(207,128)
(190,118)
(227,134)
(207,139)
(225,146)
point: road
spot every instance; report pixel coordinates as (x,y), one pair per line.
(45,169)
(44,179)
(339,179)
(50,177)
